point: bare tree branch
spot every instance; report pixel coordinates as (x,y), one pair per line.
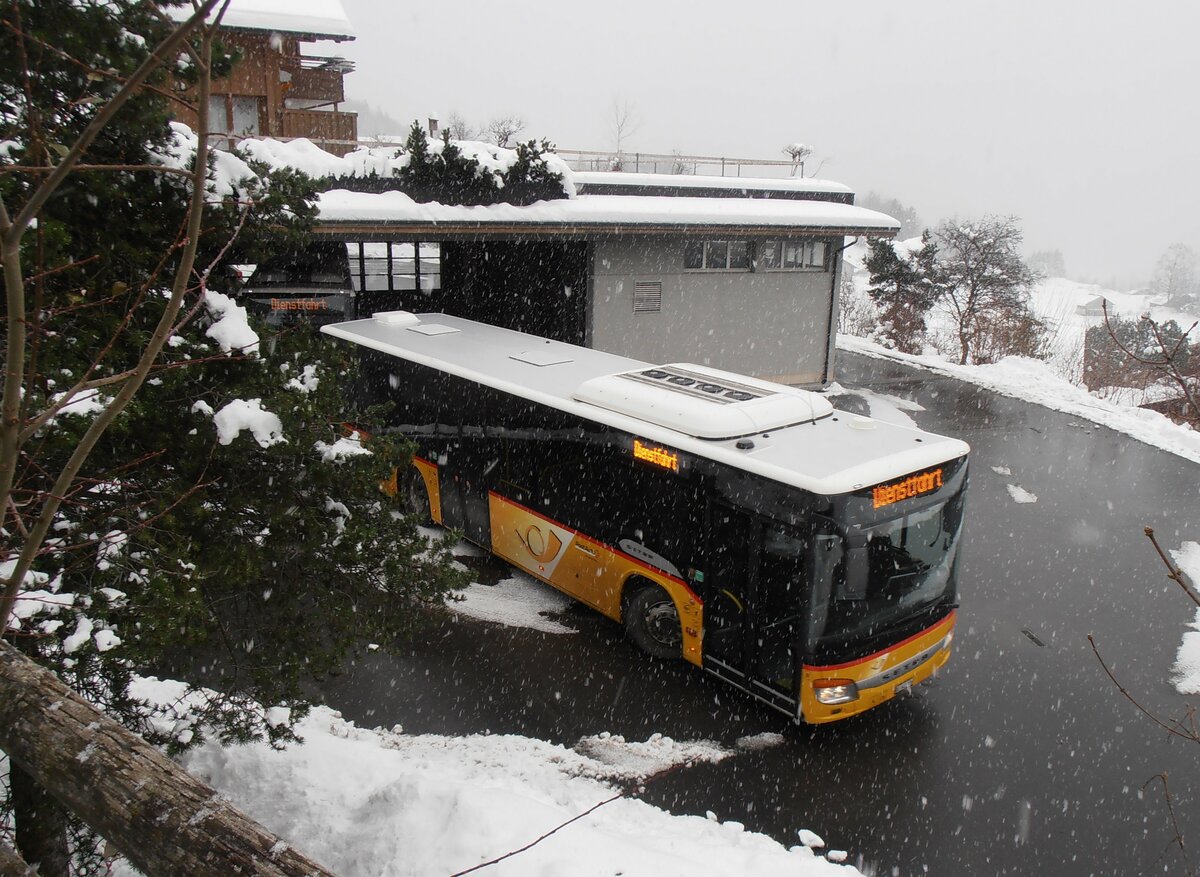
(1174,572)
(1176,729)
(1177,840)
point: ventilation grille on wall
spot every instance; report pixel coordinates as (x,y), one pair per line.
(647,297)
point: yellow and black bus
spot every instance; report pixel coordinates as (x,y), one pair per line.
(805,555)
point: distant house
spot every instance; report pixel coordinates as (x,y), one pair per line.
(1091,307)
(729,272)
(277,90)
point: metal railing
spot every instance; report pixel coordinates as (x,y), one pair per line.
(598,160)
(669,163)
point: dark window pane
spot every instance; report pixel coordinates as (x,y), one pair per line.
(793,254)
(739,255)
(716,255)
(769,255)
(693,255)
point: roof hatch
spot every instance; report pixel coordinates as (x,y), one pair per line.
(702,402)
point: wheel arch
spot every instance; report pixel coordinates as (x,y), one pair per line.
(687,606)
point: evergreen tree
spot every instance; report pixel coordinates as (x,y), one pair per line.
(420,176)
(444,173)
(249,563)
(536,175)
(904,288)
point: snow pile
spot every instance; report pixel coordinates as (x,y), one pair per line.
(386,161)
(632,762)
(382,802)
(517,601)
(1185,675)
(248,414)
(305,156)
(231,324)
(229,175)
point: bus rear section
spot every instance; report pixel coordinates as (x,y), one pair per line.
(809,560)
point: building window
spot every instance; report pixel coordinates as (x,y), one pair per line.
(234,116)
(716,256)
(792,256)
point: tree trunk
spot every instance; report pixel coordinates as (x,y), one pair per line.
(41,825)
(165,821)
(12,865)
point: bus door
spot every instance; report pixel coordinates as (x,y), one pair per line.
(752,605)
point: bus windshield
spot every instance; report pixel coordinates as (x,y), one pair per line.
(871,576)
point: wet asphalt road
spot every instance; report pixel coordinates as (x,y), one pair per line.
(1021,758)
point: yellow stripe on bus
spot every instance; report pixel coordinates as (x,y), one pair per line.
(589,571)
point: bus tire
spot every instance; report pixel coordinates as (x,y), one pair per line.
(652,621)
(415,496)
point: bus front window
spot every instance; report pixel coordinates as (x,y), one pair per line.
(870,578)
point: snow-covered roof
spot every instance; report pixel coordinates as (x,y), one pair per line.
(826,452)
(605,213)
(316,19)
(598,179)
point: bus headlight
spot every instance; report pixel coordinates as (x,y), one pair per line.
(831,691)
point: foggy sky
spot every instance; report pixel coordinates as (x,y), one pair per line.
(1081,118)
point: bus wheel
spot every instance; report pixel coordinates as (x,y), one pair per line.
(415,496)
(653,622)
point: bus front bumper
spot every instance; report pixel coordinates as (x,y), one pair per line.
(834,692)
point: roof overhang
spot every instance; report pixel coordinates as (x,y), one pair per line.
(394,216)
(306,20)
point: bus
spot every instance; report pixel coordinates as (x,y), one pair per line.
(805,555)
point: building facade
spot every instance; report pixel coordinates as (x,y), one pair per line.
(731,280)
(277,89)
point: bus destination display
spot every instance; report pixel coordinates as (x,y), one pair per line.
(914,485)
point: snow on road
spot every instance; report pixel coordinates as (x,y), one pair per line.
(517,601)
(376,802)
(1020,494)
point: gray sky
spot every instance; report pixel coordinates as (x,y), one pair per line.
(1081,118)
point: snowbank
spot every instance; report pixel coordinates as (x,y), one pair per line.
(1185,675)
(1034,381)
(383,802)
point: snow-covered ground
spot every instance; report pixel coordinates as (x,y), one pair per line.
(382,802)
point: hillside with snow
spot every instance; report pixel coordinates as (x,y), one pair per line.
(1068,308)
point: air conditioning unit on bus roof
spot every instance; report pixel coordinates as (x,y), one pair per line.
(703,402)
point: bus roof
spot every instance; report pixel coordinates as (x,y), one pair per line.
(795,436)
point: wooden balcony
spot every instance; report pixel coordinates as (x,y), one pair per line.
(317,84)
(333,131)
